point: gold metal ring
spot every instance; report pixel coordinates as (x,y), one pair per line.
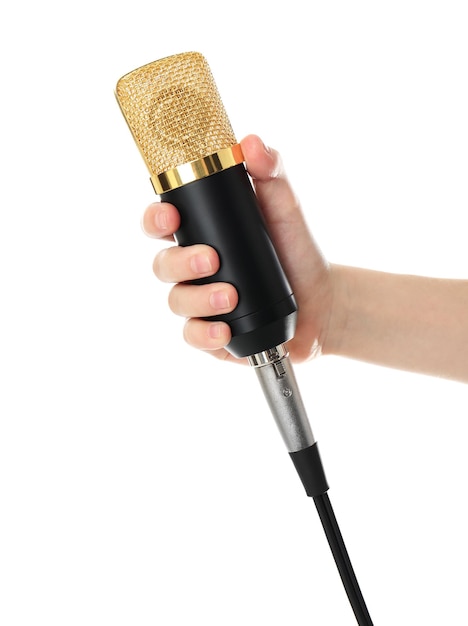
(189,172)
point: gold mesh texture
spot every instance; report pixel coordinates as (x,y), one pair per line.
(174,111)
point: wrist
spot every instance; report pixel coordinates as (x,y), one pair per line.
(334,331)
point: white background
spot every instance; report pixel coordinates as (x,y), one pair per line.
(141,482)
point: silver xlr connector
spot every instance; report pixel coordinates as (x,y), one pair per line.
(277,379)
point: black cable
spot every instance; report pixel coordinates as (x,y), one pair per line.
(310,469)
(342,560)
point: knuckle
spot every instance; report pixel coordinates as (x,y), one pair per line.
(158,264)
(174,300)
(188,333)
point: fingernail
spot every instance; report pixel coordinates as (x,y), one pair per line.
(161,220)
(219,300)
(201,264)
(215,330)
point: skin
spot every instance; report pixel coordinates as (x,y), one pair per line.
(411,323)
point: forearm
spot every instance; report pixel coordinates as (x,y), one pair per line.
(406,322)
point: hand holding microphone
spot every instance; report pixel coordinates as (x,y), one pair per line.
(307,270)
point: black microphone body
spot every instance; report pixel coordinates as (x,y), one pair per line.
(221,210)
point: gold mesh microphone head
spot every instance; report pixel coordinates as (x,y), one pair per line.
(177,119)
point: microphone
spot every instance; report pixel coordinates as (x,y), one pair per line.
(178,120)
(175,114)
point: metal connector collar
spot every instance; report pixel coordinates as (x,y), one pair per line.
(267,357)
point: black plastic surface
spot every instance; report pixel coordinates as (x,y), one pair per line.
(222,211)
(310,469)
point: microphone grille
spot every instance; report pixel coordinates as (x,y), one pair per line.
(174,111)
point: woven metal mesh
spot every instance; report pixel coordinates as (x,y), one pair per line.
(174,111)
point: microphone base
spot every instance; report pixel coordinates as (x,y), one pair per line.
(274,332)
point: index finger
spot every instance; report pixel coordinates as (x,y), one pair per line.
(160,220)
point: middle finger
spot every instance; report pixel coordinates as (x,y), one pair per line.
(179,264)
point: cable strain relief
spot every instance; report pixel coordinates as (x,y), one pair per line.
(309,466)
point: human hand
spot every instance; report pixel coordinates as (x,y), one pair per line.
(307,270)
